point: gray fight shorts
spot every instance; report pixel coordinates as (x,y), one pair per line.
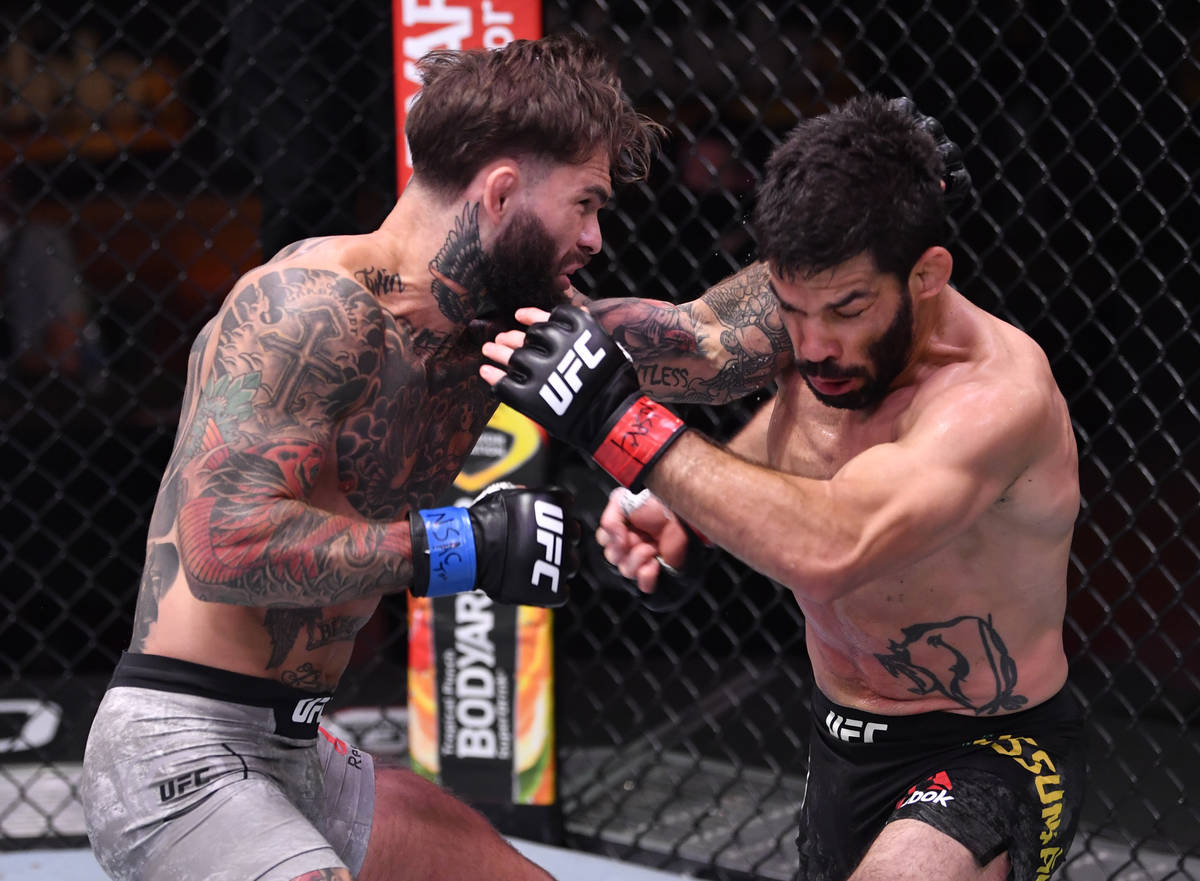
(191,772)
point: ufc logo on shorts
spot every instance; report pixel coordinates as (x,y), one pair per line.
(559,390)
(549,518)
(309,710)
(853,729)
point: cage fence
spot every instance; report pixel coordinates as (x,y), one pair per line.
(150,156)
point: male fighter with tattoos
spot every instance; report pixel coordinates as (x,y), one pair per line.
(914,483)
(329,403)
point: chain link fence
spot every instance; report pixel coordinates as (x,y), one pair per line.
(151,156)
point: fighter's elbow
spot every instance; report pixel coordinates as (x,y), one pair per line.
(821,579)
(210,592)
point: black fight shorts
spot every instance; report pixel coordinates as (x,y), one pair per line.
(1000,783)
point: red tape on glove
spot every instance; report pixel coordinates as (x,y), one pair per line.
(639,437)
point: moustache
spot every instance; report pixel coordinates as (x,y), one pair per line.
(828,370)
(575,258)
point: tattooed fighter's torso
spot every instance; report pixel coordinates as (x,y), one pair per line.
(323,403)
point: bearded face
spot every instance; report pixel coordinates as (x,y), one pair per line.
(886,357)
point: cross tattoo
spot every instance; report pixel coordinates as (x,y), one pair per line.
(306,359)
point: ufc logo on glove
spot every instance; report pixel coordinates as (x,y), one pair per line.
(571,377)
(549,518)
(559,390)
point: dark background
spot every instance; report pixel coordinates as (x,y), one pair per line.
(175,149)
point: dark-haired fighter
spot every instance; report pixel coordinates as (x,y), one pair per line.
(330,401)
(914,483)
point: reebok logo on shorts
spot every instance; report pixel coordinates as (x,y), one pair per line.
(937,790)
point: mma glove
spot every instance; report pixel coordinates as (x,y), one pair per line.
(575,381)
(516,545)
(955,175)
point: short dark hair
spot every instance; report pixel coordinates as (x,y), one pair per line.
(862,178)
(557,99)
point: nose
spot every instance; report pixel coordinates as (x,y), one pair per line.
(590,240)
(813,341)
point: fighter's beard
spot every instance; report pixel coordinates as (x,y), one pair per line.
(520,270)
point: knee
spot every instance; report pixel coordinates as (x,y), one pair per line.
(403,795)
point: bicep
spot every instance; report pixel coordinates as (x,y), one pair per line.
(914,495)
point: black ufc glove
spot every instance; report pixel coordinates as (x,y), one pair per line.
(571,378)
(516,545)
(954,174)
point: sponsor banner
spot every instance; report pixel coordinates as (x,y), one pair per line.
(475,656)
(481,675)
(421,26)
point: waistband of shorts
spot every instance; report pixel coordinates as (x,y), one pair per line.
(847,727)
(297,712)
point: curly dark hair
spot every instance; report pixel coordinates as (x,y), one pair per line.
(557,99)
(862,178)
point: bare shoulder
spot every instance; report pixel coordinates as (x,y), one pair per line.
(994,407)
(309,337)
(999,414)
(1003,371)
(311,247)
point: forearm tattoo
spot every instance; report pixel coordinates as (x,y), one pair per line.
(727,344)
(936,657)
(247,539)
(752,340)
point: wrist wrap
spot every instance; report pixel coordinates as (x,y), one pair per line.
(641,432)
(443,551)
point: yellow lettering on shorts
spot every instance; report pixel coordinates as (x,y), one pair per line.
(1025,752)
(1034,763)
(1052,815)
(1050,857)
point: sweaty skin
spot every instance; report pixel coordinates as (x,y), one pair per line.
(926,582)
(335,390)
(925,538)
(322,404)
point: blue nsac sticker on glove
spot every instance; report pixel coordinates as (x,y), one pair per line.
(451,550)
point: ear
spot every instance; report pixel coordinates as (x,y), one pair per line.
(499,186)
(931,273)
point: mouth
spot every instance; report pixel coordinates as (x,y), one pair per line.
(564,278)
(833,387)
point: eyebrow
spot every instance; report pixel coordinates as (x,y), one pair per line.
(603,195)
(856,294)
